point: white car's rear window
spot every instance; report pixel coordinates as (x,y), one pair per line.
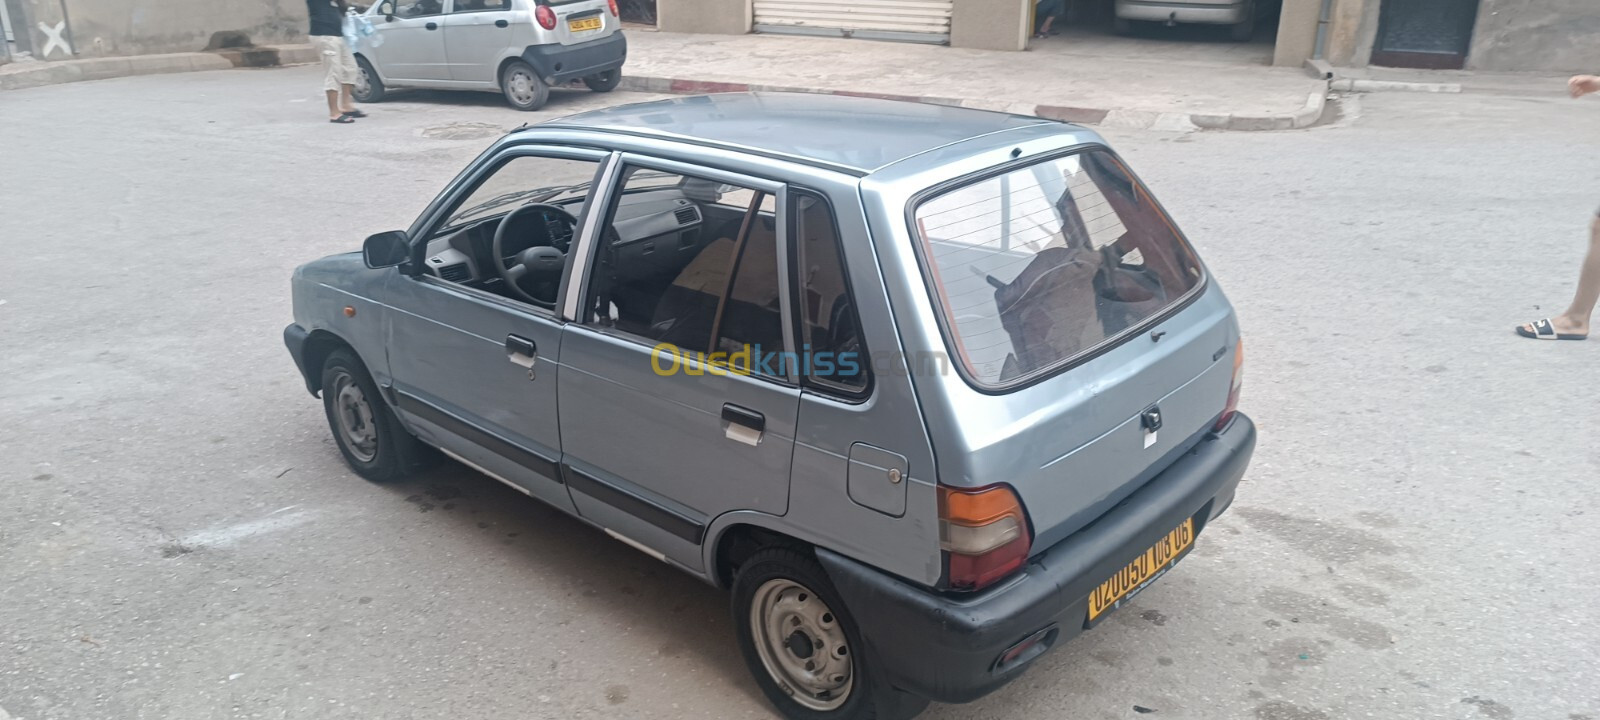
(1041,265)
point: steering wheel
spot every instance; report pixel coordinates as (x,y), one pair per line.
(541,263)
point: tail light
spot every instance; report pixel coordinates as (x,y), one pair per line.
(613,5)
(984,534)
(1232,406)
(546,17)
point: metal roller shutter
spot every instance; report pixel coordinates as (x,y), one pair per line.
(910,20)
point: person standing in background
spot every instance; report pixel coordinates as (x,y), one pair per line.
(1574,323)
(338,62)
(1045,14)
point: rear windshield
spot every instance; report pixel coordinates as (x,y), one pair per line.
(1042,265)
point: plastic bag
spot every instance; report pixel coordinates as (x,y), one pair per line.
(358,30)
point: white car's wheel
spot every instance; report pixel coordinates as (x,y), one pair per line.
(523,87)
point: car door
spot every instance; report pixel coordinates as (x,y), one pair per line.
(475,371)
(476,35)
(675,407)
(412,49)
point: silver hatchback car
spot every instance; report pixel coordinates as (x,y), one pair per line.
(930,389)
(517,47)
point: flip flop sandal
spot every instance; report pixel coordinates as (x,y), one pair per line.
(356,114)
(343,120)
(1544,330)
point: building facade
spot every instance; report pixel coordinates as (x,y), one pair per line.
(1495,35)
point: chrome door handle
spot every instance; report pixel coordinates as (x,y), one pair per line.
(741,424)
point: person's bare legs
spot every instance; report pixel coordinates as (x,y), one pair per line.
(345,103)
(1576,319)
(333,104)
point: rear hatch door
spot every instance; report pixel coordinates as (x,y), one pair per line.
(1093,348)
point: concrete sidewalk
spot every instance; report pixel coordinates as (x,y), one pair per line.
(21,74)
(1147,93)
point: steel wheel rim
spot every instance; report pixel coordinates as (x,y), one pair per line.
(802,644)
(520,83)
(354,414)
(363,82)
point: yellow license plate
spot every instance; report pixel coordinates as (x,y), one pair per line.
(593,23)
(1141,571)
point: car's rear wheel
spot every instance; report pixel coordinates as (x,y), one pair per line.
(365,429)
(369,87)
(802,646)
(523,87)
(604,82)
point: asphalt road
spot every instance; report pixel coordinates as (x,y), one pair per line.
(180,539)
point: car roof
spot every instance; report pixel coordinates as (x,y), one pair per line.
(853,134)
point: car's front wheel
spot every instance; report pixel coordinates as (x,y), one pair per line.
(604,82)
(800,642)
(366,430)
(523,87)
(369,87)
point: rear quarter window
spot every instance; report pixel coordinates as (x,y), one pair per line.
(1040,266)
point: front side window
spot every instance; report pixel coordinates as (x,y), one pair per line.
(692,264)
(480,5)
(1038,266)
(525,179)
(418,8)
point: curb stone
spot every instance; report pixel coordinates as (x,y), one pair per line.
(19,76)
(1113,117)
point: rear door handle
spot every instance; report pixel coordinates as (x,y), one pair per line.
(522,351)
(432,26)
(501,23)
(741,424)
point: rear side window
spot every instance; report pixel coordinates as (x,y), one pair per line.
(1038,266)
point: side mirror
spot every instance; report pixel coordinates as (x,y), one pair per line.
(387,249)
(387,9)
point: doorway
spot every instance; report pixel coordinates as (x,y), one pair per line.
(1428,34)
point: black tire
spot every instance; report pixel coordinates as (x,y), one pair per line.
(523,87)
(1245,31)
(1122,26)
(797,573)
(604,82)
(378,449)
(372,90)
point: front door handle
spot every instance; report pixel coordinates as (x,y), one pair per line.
(741,424)
(432,26)
(522,351)
(501,23)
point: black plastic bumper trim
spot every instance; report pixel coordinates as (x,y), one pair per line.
(576,61)
(944,646)
(296,338)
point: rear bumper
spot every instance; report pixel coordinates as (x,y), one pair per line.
(558,64)
(946,647)
(1205,14)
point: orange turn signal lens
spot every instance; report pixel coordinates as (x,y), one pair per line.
(984,533)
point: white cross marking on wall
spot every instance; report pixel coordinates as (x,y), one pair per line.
(53,39)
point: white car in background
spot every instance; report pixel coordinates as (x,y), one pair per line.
(518,47)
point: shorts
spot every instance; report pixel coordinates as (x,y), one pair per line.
(1050,8)
(338,63)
